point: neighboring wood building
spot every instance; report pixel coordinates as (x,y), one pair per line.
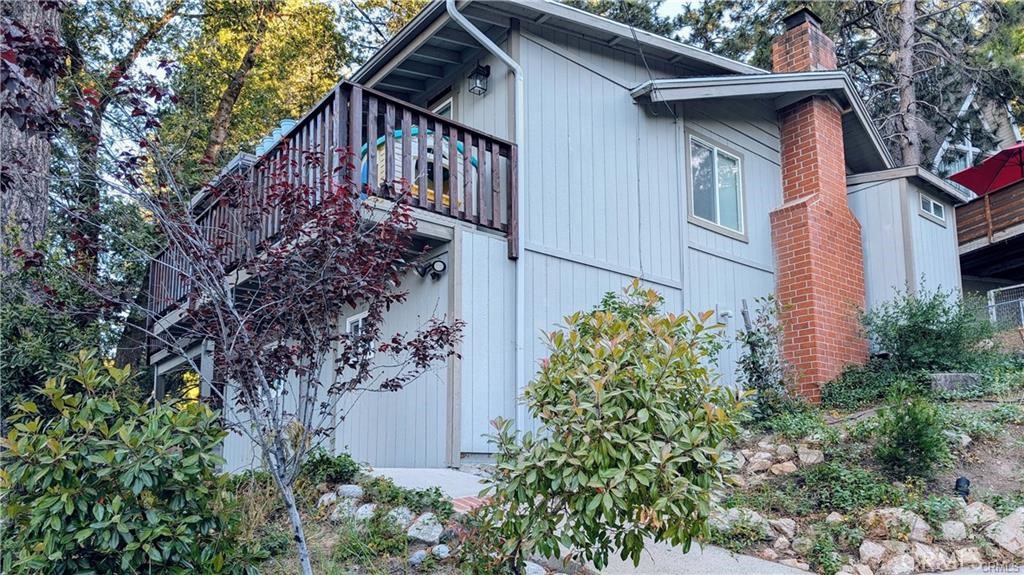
(613,154)
(991,238)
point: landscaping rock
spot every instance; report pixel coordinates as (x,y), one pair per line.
(835,517)
(327,499)
(969,557)
(350,491)
(930,558)
(784,468)
(417,558)
(1008,532)
(401,516)
(365,511)
(768,554)
(895,521)
(427,529)
(953,531)
(803,545)
(766,445)
(759,465)
(785,452)
(781,544)
(871,553)
(893,547)
(343,510)
(955,381)
(862,569)
(810,456)
(725,520)
(978,513)
(784,526)
(531,568)
(899,565)
(796,564)
(961,439)
(441,551)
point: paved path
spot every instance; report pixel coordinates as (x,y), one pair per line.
(658,559)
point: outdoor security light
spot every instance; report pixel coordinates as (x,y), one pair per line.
(478,79)
(435,268)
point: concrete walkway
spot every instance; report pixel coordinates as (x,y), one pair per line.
(658,558)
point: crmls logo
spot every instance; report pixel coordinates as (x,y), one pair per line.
(1002,568)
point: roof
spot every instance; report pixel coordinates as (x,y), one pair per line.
(439,44)
(920,175)
(865,151)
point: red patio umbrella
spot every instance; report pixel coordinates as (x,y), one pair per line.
(1004,168)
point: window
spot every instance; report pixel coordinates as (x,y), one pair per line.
(933,208)
(717,194)
(354,326)
(443,108)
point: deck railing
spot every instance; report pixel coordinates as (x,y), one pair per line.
(445,167)
(987,216)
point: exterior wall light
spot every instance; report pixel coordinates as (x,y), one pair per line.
(435,268)
(478,79)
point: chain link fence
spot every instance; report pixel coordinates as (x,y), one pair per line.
(1006,307)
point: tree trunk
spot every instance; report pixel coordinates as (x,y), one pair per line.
(25,164)
(293,515)
(910,137)
(132,346)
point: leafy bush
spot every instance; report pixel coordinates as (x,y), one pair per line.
(761,367)
(112,485)
(911,442)
(935,508)
(837,486)
(773,498)
(929,330)
(860,385)
(803,423)
(630,445)
(383,491)
(379,536)
(275,541)
(828,539)
(322,467)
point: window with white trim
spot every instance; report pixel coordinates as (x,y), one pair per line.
(932,207)
(355,326)
(716,181)
(444,108)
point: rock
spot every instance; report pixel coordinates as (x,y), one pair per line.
(785,452)
(1008,532)
(899,565)
(835,517)
(961,439)
(969,557)
(441,551)
(766,445)
(327,499)
(809,456)
(847,569)
(978,513)
(862,569)
(365,511)
(449,535)
(737,480)
(350,491)
(417,557)
(930,558)
(955,381)
(759,465)
(768,554)
(896,521)
(893,547)
(725,520)
(803,545)
(531,568)
(784,526)
(871,553)
(401,516)
(343,510)
(796,564)
(953,531)
(427,529)
(784,468)
(781,544)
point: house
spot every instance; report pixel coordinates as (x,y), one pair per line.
(587,153)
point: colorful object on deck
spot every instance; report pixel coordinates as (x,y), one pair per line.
(1002,169)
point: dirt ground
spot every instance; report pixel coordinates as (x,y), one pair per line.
(994,467)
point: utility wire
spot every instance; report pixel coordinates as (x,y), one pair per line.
(650,75)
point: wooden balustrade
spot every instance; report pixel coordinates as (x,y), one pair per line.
(394,148)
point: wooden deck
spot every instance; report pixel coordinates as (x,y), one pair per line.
(398,146)
(994,217)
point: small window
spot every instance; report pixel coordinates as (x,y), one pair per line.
(354,326)
(933,208)
(443,108)
(717,194)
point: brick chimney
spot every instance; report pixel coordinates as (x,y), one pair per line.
(819,262)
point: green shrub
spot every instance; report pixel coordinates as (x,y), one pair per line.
(861,385)
(275,541)
(828,539)
(1005,504)
(322,467)
(979,424)
(803,423)
(632,432)
(911,442)
(111,485)
(772,498)
(761,368)
(384,491)
(380,536)
(936,508)
(930,330)
(837,486)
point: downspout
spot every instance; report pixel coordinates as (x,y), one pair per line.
(518,137)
